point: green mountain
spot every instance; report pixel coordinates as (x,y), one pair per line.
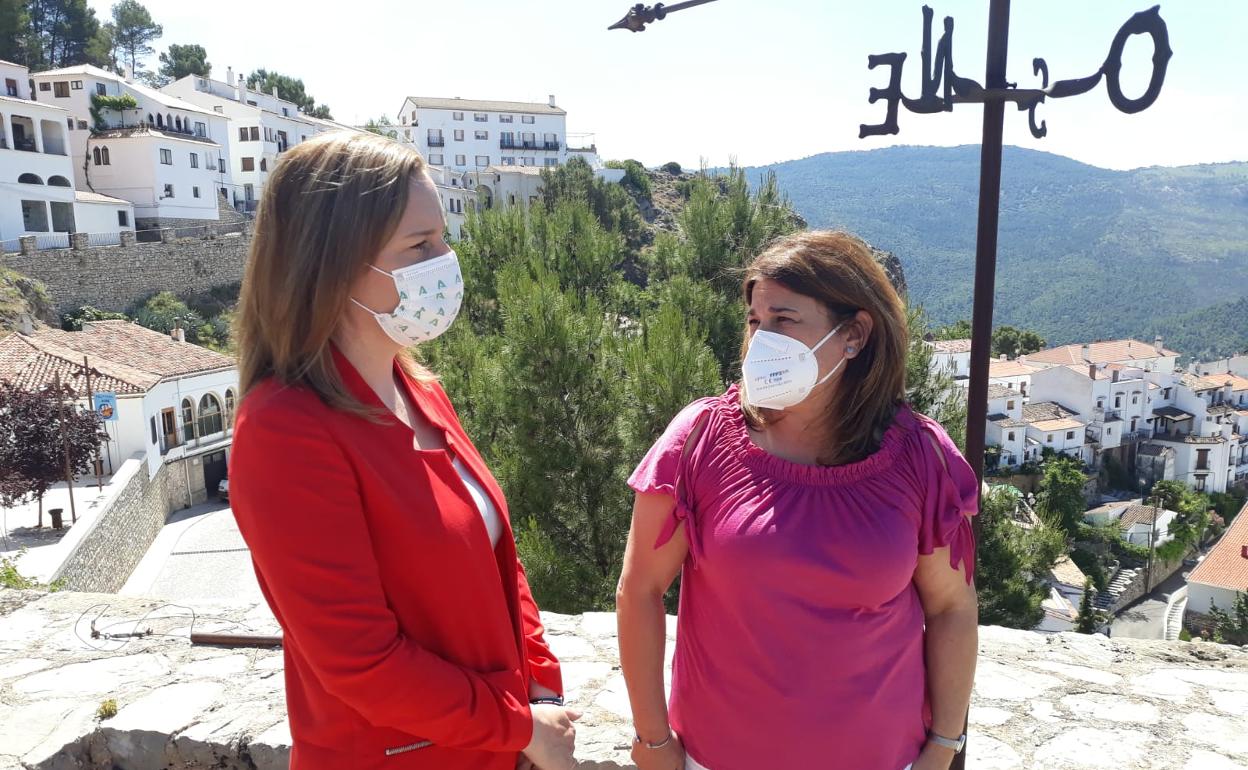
(1083,252)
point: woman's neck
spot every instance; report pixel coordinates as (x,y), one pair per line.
(373,360)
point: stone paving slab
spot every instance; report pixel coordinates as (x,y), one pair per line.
(1053,702)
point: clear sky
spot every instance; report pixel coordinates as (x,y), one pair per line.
(757,81)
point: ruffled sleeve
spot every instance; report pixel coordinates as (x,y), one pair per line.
(950,495)
(668,469)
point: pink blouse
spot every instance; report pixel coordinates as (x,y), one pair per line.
(800,633)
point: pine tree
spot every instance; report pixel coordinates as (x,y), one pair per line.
(1088,619)
(1012,563)
(134,30)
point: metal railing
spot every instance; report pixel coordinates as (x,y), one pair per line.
(52,241)
(437,141)
(512,144)
(104,239)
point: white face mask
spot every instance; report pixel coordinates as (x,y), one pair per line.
(430,294)
(779,371)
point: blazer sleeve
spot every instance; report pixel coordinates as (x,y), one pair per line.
(543,665)
(298,505)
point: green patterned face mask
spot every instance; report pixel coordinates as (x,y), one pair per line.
(430,294)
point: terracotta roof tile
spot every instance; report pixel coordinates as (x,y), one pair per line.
(1010,368)
(1104,352)
(483,105)
(129,358)
(951,346)
(1225,565)
(1141,514)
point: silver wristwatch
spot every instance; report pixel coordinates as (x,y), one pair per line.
(948,743)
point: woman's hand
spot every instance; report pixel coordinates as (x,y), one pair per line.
(933,757)
(670,757)
(554,737)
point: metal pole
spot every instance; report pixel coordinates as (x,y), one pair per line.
(69,476)
(986,236)
(986,255)
(99,463)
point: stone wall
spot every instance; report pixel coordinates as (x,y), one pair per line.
(1041,701)
(115,277)
(1134,590)
(119,536)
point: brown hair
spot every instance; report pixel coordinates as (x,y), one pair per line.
(329,207)
(838,270)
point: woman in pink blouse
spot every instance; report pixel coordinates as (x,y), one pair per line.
(821,527)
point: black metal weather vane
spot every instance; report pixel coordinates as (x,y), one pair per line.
(942,87)
(641,14)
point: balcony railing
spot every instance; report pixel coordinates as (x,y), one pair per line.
(437,141)
(511,144)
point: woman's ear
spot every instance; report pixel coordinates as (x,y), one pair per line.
(858,332)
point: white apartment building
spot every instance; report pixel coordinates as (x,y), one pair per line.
(167,156)
(1199,419)
(37,191)
(474,134)
(1111,399)
(1007,429)
(261,127)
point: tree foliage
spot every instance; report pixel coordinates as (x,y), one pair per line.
(34,429)
(1231,627)
(1088,619)
(288,88)
(1014,562)
(1061,492)
(383,127)
(133,32)
(182,60)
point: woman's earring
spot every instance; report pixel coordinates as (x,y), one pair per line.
(849,349)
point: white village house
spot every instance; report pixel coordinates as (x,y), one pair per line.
(1221,576)
(261,127)
(37,192)
(951,357)
(167,156)
(1139,522)
(175,400)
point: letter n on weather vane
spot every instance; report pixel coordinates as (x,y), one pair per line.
(942,87)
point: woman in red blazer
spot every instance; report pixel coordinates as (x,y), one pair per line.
(379,537)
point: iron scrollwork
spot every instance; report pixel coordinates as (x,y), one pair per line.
(942,87)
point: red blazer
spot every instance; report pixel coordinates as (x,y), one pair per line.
(402,626)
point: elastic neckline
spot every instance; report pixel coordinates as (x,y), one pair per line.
(761,460)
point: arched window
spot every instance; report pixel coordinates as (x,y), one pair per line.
(209,415)
(160,121)
(264,164)
(188,420)
(104,153)
(29,179)
(177,122)
(168,120)
(150,121)
(59,181)
(229,408)
(95,155)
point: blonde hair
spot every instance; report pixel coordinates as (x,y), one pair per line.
(328,208)
(838,270)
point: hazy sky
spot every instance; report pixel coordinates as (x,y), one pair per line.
(758,81)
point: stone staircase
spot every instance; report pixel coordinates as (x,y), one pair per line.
(1107,600)
(1174,615)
